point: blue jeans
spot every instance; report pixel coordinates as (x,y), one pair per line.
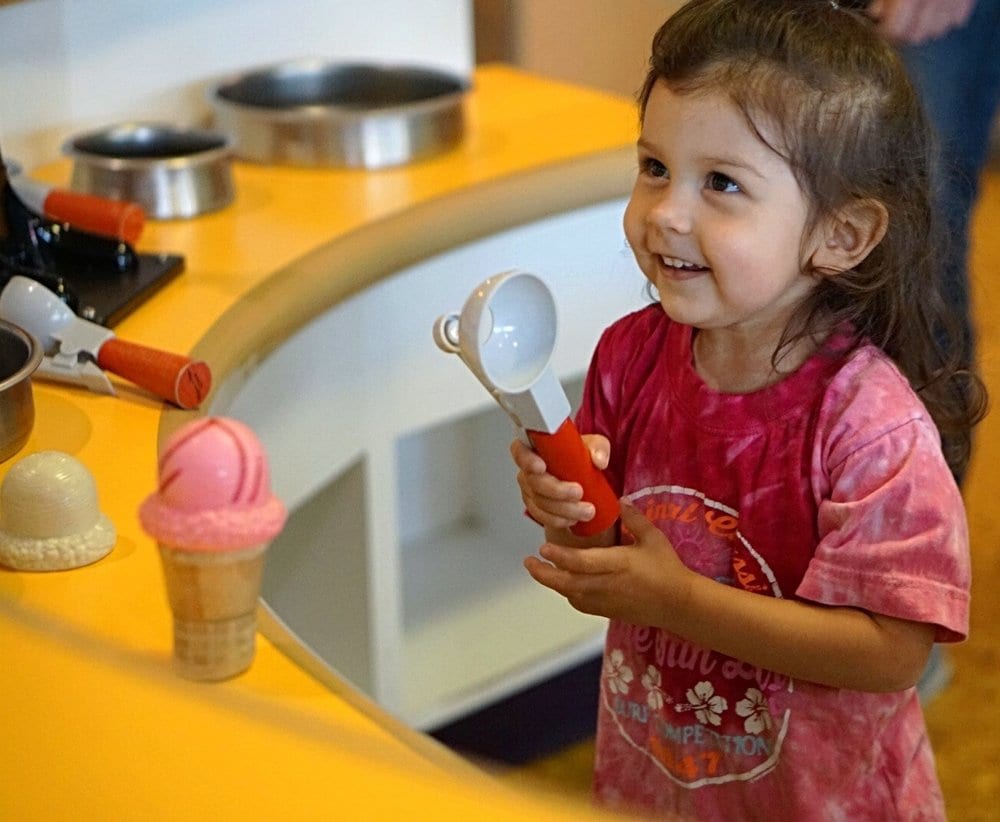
(958,77)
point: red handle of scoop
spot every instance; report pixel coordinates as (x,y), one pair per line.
(101,215)
(566,457)
(172,377)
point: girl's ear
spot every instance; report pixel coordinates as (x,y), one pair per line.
(846,238)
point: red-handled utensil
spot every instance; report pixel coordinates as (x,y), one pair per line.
(566,456)
(173,377)
(506,336)
(76,348)
(120,219)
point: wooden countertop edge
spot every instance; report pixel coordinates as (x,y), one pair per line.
(293,296)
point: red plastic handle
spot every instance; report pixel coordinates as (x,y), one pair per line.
(100,215)
(566,457)
(172,377)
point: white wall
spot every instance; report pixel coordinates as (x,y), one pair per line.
(71,65)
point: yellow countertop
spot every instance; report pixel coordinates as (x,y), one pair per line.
(95,723)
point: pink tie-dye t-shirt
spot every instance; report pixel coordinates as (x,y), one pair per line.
(828,486)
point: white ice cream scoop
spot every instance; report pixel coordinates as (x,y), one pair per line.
(506,335)
(79,351)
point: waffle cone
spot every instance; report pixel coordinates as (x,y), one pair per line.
(213,598)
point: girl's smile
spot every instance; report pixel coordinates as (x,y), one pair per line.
(682,269)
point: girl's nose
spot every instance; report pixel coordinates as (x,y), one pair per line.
(671,211)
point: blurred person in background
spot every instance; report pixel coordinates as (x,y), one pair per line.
(952,51)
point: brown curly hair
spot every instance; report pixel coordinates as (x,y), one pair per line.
(851,127)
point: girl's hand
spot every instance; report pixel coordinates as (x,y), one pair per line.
(644,583)
(549,501)
(917,21)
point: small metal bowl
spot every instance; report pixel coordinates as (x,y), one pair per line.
(170,172)
(315,113)
(20,355)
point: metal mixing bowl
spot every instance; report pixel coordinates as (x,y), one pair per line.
(170,172)
(315,113)
(20,355)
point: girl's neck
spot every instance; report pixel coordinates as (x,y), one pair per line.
(730,364)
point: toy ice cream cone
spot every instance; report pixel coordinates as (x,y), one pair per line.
(213,517)
(213,597)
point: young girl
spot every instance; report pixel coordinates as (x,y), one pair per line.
(792,541)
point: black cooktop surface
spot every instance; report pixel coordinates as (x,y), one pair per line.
(102,279)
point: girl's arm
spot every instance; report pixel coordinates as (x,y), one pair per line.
(647,584)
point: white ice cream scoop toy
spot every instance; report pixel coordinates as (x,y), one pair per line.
(506,335)
(78,351)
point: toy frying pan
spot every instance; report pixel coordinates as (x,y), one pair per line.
(506,334)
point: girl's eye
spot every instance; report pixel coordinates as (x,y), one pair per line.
(654,168)
(721,183)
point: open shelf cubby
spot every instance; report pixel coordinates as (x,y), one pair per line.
(466,596)
(315,576)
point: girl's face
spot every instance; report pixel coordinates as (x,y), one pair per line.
(716,219)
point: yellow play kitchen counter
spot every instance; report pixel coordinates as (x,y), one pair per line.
(95,724)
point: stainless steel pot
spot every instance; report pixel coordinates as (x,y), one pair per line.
(315,113)
(170,172)
(20,355)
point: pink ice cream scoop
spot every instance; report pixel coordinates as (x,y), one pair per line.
(214,491)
